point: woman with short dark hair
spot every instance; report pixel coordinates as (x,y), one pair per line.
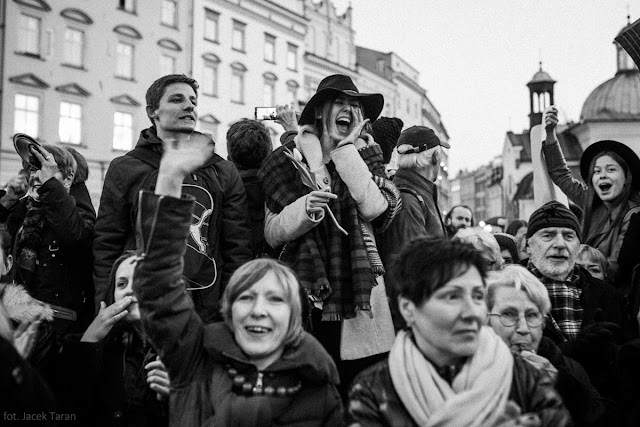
(447,367)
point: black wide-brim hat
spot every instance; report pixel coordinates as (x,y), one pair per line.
(338,84)
(23,143)
(629,156)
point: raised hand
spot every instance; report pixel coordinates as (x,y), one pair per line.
(354,135)
(180,158)
(49,166)
(106,318)
(158,378)
(286,117)
(14,190)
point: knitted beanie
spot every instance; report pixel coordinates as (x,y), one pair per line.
(552,214)
(386,131)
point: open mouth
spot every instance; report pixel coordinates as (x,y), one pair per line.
(257,329)
(604,186)
(343,124)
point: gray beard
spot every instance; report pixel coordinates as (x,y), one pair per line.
(552,270)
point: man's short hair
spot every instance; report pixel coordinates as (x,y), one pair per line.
(157,89)
(447,217)
(248,144)
(419,160)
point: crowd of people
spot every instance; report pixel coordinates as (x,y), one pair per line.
(310,284)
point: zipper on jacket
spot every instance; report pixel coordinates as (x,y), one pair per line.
(195,178)
(258,386)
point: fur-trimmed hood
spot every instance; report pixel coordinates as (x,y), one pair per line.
(22,307)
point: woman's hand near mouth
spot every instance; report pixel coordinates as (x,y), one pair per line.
(49,166)
(354,135)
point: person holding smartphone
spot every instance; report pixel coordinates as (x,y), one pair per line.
(326,229)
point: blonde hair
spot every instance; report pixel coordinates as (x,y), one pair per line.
(518,277)
(484,242)
(249,274)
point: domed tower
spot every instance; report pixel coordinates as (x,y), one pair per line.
(540,95)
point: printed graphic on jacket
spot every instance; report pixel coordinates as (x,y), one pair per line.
(198,260)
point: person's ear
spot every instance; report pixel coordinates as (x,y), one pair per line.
(527,248)
(151,112)
(407,310)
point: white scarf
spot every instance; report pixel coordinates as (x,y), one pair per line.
(477,396)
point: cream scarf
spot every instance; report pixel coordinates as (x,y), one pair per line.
(477,396)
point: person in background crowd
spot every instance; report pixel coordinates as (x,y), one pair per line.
(518,304)
(518,229)
(386,131)
(609,193)
(248,145)
(485,243)
(594,262)
(459,217)
(418,162)
(219,238)
(508,248)
(447,367)
(258,367)
(52,238)
(585,312)
(325,229)
(117,377)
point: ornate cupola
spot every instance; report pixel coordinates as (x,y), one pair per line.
(540,95)
(624,63)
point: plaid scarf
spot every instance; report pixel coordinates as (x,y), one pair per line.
(566,309)
(29,239)
(336,269)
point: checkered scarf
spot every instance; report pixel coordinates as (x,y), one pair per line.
(336,269)
(566,309)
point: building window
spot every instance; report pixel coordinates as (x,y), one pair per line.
(292,57)
(292,92)
(211,25)
(70,130)
(269,93)
(237,82)
(26,115)
(169,13)
(29,37)
(128,5)
(269,48)
(74,47)
(122,131)
(167,64)
(210,79)
(124,64)
(238,36)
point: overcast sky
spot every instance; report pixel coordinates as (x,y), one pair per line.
(476,56)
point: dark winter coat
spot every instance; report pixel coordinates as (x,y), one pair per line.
(106,383)
(586,406)
(65,246)
(213,254)
(419,216)
(373,400)
(255,203)
(198,357)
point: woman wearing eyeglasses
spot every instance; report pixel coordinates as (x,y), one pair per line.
(518,304)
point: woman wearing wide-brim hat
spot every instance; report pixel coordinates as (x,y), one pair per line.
(327,233)
(610,193)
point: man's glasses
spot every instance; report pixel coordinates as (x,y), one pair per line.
(511,318)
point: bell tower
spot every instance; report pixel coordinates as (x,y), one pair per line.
(540,95)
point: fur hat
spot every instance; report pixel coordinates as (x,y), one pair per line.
(22,307)
(552,214)
(386,131)
(417,139)
(339,84)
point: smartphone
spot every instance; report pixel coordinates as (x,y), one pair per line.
(266,113)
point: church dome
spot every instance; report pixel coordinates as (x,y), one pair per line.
(614,100)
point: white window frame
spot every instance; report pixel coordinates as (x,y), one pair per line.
(128,6)
(292,57)
(74,49)
(29,39)
(211,25)
(237,79)
(70,123)
(238,36)
(122,128)
(167,64)
(168,16)
(119,65)
(210,78)
(26,117)
(269,48)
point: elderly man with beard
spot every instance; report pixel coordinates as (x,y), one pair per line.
(584,310)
